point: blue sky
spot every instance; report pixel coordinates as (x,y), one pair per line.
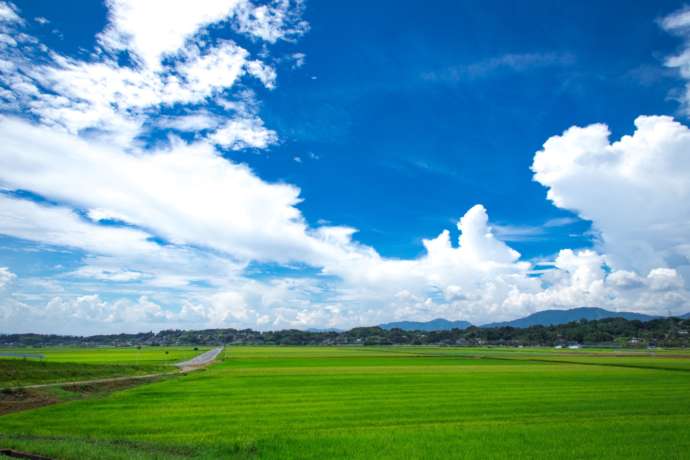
(292,164)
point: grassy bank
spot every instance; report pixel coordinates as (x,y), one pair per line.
(73,364)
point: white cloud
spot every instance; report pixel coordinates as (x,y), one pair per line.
(189,123)
(6,276)
(265,73)
(278,20)
(580,280)
(132,27)
(242,133)
(115,253)
(635,191)
(60,226)
(679,23)
(191,223)
(186,194)
(101,97)
(511,62)
(100,273)
(298,60)
(92,308)
(8,13)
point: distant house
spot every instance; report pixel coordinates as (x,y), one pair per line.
(682,332)
(558,347)
(575,346)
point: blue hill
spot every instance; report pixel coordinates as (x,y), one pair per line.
(438,324)
(555,317)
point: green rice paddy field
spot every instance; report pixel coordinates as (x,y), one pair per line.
(381,403)
(70,364)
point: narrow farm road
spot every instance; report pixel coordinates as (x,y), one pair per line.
(201,360)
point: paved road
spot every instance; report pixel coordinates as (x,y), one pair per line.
(194,363)
(201,360)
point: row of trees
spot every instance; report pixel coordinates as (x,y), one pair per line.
(667,332)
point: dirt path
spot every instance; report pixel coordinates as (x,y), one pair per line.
(195,363)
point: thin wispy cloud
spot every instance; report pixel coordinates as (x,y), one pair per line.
(506,63)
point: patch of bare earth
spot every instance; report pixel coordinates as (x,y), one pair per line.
(19,454)
(23,399)
(14,400)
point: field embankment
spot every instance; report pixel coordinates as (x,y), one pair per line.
(62,375)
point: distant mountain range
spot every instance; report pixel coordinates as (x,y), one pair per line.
(433,325)
(542,318)
(555,317)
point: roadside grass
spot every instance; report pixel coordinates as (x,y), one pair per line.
(74,364)
(112,355)
(349,402)
(14,373)
(20,399)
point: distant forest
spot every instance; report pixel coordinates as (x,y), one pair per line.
(618,332)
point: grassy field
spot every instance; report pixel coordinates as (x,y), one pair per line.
(407,402)
(71,364)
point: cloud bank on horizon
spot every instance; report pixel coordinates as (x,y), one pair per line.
(124,162)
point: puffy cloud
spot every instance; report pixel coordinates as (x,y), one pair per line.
(635,190)
(173,232)
(84,314)
(103,97)
(131,26)
(241,133)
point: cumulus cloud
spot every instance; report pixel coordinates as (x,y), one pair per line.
(168,235)
(83,314)
(582,278)
(635,190)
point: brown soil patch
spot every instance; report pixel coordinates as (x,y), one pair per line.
(14,400)
(88,389)
(23,399)
(19,454)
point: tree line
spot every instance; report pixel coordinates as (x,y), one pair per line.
(619,332)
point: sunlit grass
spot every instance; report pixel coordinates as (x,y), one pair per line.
(72,364)
(349,402)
